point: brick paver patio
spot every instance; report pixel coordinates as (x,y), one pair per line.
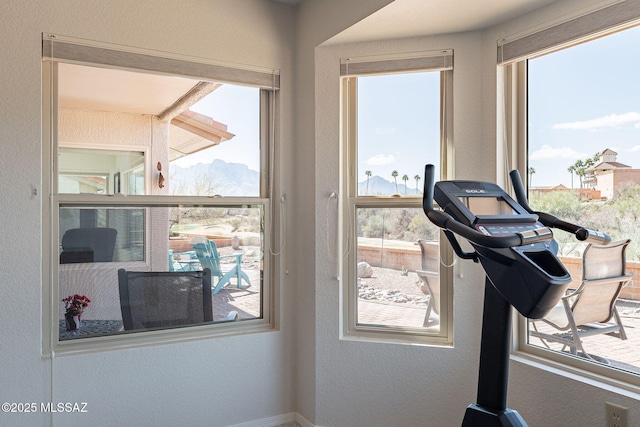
(623,354)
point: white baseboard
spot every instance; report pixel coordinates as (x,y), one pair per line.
(303,421)
(278,420)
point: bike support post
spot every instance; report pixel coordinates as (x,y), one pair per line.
(490,408)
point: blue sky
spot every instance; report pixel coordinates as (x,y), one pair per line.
(238,107)
(582,100)
(398,124)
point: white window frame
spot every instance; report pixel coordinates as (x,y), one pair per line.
(512,55)
(64,49)
(436,61)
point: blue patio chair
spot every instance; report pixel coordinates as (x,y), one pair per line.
(172,263)
(179,263)
(207,253)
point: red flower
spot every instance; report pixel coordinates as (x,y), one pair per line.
(75,304)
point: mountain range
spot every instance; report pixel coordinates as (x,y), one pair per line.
(215,178)
(379,186)
(236,179)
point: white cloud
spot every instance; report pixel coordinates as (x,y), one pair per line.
(549,152)
(611,120)
(381,159)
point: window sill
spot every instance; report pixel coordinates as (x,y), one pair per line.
(586,376)
(427,337)
(152,338)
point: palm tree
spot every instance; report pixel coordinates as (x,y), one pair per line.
(580,166)
(581,169)
(405,178)
(571,169)
(368,173)
(394,174)
(417,178)
(531,172)
(583,165)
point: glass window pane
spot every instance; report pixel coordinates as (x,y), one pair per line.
(228,122)
(398,132)
(227,240)
(584,165)
(138,133)
(101,235)
(204,137)
(87,171)
(398,279)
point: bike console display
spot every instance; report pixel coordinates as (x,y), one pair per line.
(515,249)
(488,209)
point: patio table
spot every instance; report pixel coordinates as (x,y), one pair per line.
(90,328)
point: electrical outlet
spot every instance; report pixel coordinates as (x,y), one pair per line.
(616,415)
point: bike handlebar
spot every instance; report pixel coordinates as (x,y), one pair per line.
(581,233)
(448,223)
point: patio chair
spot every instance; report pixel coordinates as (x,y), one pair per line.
(160,299)
(177,262)
(173,264)
(431,286)
(591,308)
(207,253)
(430,278)
(90,244)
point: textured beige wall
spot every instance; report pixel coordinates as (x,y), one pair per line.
(215,382)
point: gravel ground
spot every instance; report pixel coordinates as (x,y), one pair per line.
(392,287)
(385,286)
(389,284)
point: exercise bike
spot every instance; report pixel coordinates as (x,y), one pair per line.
(516,249)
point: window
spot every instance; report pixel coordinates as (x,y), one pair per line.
(396,119)
(581,159)
(157,165)
(100,171)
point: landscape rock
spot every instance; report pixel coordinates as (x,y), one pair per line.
(364,269)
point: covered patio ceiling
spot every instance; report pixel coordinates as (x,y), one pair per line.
(166,97)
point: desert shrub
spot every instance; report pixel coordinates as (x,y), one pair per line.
(563,204)
(372,226)
(617,217)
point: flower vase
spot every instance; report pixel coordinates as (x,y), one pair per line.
(72,321)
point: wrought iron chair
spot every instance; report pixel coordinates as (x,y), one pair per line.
(160,299)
